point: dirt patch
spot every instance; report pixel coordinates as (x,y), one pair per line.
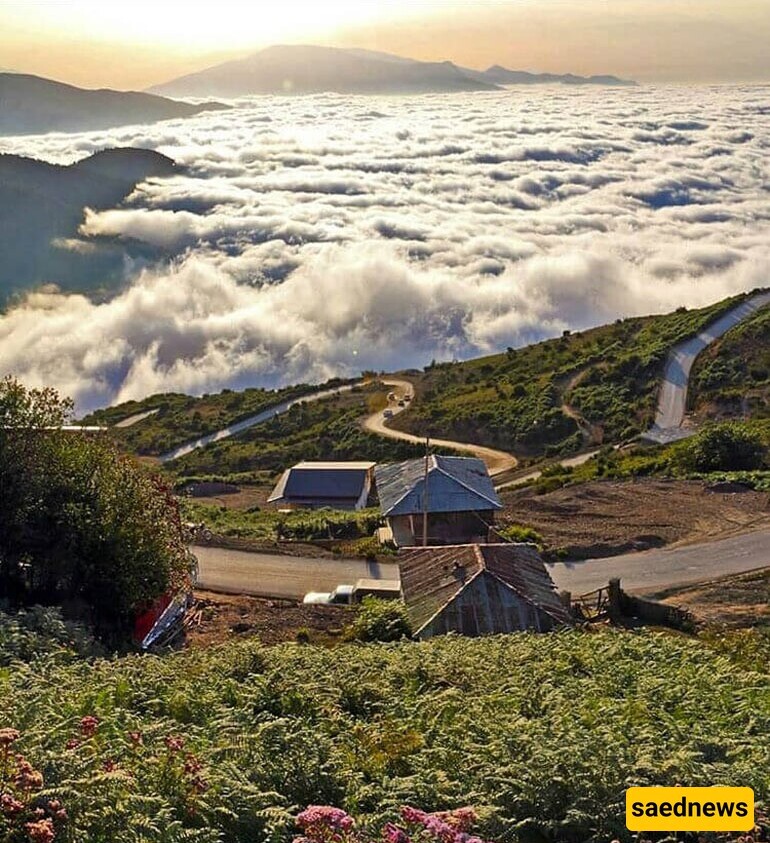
(217,618)
(606,518)
(742,600)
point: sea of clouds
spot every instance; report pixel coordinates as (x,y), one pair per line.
(318,236)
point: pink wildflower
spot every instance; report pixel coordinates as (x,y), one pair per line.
(324,816)
(393,834)
(10,806)
(89,725)
(41,831)
(27,777)
(174,743)
(8,736)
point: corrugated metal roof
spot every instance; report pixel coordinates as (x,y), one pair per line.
(432,576)
(362,465)
(455,484)
(314,481)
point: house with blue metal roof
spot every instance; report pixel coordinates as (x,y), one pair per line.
(456,493)
(316,485)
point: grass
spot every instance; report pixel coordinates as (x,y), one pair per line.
(657,461)
(733,375)
(268,525)
(609,376)
(542,734)
(329,429)
(181,418)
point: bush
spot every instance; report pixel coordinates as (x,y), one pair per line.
(722,447)
(520,533)
(27,635)
(80,522)
(380,620)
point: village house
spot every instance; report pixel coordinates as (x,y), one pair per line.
(456,492)
(480,589)
(316,485)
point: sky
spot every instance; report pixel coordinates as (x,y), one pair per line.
(133,45)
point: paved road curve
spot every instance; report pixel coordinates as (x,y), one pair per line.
(272,575)
(672,401)
(239,427)
(496,461)
(656,569)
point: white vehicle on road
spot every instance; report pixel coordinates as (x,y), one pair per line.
(341,596)
(349,594)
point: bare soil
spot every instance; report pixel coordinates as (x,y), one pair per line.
(607,518)
(217,618)
(741,600)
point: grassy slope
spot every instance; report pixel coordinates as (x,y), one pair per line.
(609,375)
(541,733)
(320,430)
(735,367)
(513,401)
(659,461)
(180,418)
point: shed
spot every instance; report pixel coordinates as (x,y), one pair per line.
(458,495)
(479,589)
(314,485)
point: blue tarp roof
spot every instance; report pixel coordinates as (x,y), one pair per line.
(455,484)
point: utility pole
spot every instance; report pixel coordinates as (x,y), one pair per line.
(425,494)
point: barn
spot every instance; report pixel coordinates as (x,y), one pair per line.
(456,492)
(480,589)
(316,485)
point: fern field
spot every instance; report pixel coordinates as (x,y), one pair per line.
(540,734)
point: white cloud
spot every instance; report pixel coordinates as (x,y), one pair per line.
(309,237)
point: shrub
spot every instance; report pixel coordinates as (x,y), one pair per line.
(380,620)
(39,631)
(520,533)
(79,521)
(722,447)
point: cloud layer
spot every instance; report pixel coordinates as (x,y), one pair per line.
(320,236)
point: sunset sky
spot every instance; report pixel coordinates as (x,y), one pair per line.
(134,45)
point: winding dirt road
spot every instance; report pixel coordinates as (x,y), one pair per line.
(497,462)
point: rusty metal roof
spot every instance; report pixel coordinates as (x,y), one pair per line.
(455,484)
(431,577)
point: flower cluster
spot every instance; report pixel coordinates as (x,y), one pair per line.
(325,824)
(23,809)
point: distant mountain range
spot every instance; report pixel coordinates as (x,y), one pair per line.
(32,105)
(309,69)
(41,210)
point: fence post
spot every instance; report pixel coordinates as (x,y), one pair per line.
(615,600)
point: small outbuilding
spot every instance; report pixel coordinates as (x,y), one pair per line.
(456,492)
(480,589)
(317,485)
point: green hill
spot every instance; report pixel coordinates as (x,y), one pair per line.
(549,399)
(732,377)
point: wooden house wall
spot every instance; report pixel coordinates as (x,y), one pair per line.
(486,606)
(443,527)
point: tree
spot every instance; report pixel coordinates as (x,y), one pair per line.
(722,447)
(80,521)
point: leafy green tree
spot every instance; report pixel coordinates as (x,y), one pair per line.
(722,447)
(79,521)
